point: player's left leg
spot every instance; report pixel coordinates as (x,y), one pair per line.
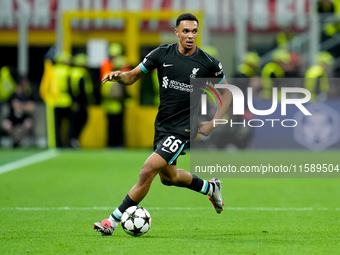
(150,169)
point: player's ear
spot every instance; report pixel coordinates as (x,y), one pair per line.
(176,32)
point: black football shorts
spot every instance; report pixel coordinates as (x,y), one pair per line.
(170,146)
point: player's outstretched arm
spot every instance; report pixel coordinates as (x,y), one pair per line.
(125,78)
(207,127)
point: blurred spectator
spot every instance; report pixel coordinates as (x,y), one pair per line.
(325,6)
(329,12)
(325,9)
(63,100)
(211,50)
(115,58)
(250,68)
(247,77)
(113,95)
(275,69)
(293,68)
(82,94)
(317,81)
(19,123)
(7,84)
(283,38)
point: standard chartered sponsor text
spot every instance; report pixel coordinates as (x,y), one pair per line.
(181,86)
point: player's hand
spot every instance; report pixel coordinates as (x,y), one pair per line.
(206,128)
(114,76)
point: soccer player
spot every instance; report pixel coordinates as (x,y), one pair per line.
(176,63)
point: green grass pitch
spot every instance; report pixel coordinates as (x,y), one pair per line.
(49,208)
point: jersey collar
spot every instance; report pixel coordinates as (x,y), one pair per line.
(188,56)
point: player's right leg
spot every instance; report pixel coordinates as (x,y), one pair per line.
(170,175)
(170,147)
(151,168)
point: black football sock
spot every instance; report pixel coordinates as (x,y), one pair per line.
(127,202)
(199,185)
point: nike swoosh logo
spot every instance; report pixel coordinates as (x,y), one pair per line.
(166,150)
(167,65)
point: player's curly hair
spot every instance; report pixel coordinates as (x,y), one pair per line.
(186,16)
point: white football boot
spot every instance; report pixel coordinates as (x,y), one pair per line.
(216,197)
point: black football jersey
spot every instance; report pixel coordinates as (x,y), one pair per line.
(176,76)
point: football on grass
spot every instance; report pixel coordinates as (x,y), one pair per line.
(136,221)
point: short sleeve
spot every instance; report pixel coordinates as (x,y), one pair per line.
(217,74)
(150,61)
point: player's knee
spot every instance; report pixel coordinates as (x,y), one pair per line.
(168,180)
(147,172)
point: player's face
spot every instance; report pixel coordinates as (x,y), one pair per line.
(187,34)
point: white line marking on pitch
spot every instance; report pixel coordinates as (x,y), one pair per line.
(66,208)
(28,161)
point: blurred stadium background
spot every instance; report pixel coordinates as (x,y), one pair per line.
(34,33)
